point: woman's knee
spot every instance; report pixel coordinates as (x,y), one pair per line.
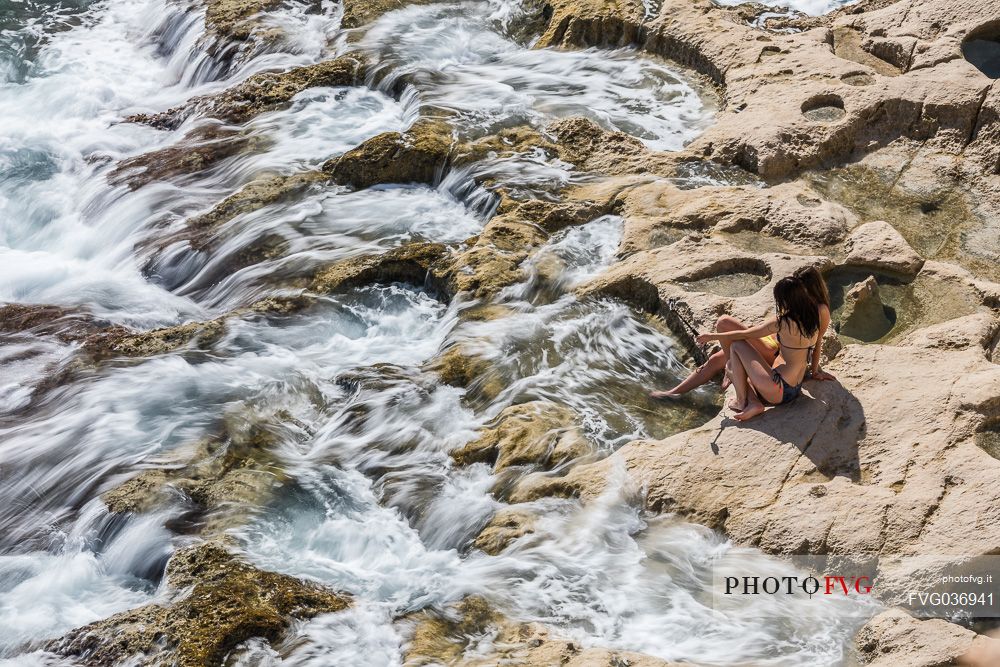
(740,346)
(728,323)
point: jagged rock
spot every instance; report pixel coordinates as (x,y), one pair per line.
(415,263)
(260,93)
(119,341)
(863,316)
(230,19)
(536,433)
(460,368)
(503,528)
(442,639)
(229,601)
(418,155)
(584,143)
(196,152)
(877,245)
(255,195)
(67,324)
(593,23)
(362,12)
(423,153)
(139,494)
(494,259)
(226,475)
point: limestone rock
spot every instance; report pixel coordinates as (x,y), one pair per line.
(789,211)
(896,639)
(227,475)
(503,528)
(414,263)
(442,639)
(863,315)
(865,465)
(196,152)
(877,245)
(362,12)
(139,494)
(67,324)
(230,19)
(260,93)
(256,195)
(534,433)
(418,155)
(229,601)
(459,367)
(119,341)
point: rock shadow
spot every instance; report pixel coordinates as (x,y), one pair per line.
(827,424)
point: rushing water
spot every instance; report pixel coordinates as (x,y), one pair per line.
(372,504)
(810,7)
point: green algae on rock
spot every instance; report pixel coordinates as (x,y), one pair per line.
(535,433)
(119,341)
(220,601)
(260,93)
(231,19)
(226,475)
(443,638)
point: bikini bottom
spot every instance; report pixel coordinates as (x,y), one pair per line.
(788,392)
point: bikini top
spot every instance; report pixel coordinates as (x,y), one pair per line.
(790,347)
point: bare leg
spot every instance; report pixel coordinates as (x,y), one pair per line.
(713,366)
(729,323)
(701,375)
(759,383)
(741,384)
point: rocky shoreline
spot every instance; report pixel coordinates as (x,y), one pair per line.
(862,142)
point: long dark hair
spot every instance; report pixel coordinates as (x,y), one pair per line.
(794,304)
(815,285)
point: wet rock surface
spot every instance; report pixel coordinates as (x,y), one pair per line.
(261,93)
(529,433)
(220,602)
(233,19)
(445,639)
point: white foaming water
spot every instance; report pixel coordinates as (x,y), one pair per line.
(573,256)
(458,64)
(259,366)
(607,576)
(810,7)
(102,566)
(67,236)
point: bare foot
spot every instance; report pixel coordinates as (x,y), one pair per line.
(752,409)
(664,395)
(735,405)
(726,381)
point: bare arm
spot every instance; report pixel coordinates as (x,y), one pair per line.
(767,328)
(824,324)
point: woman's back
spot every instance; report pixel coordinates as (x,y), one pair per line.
(796,351)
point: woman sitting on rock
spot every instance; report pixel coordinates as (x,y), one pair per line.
(716,363)
(767,346)
(779,381)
